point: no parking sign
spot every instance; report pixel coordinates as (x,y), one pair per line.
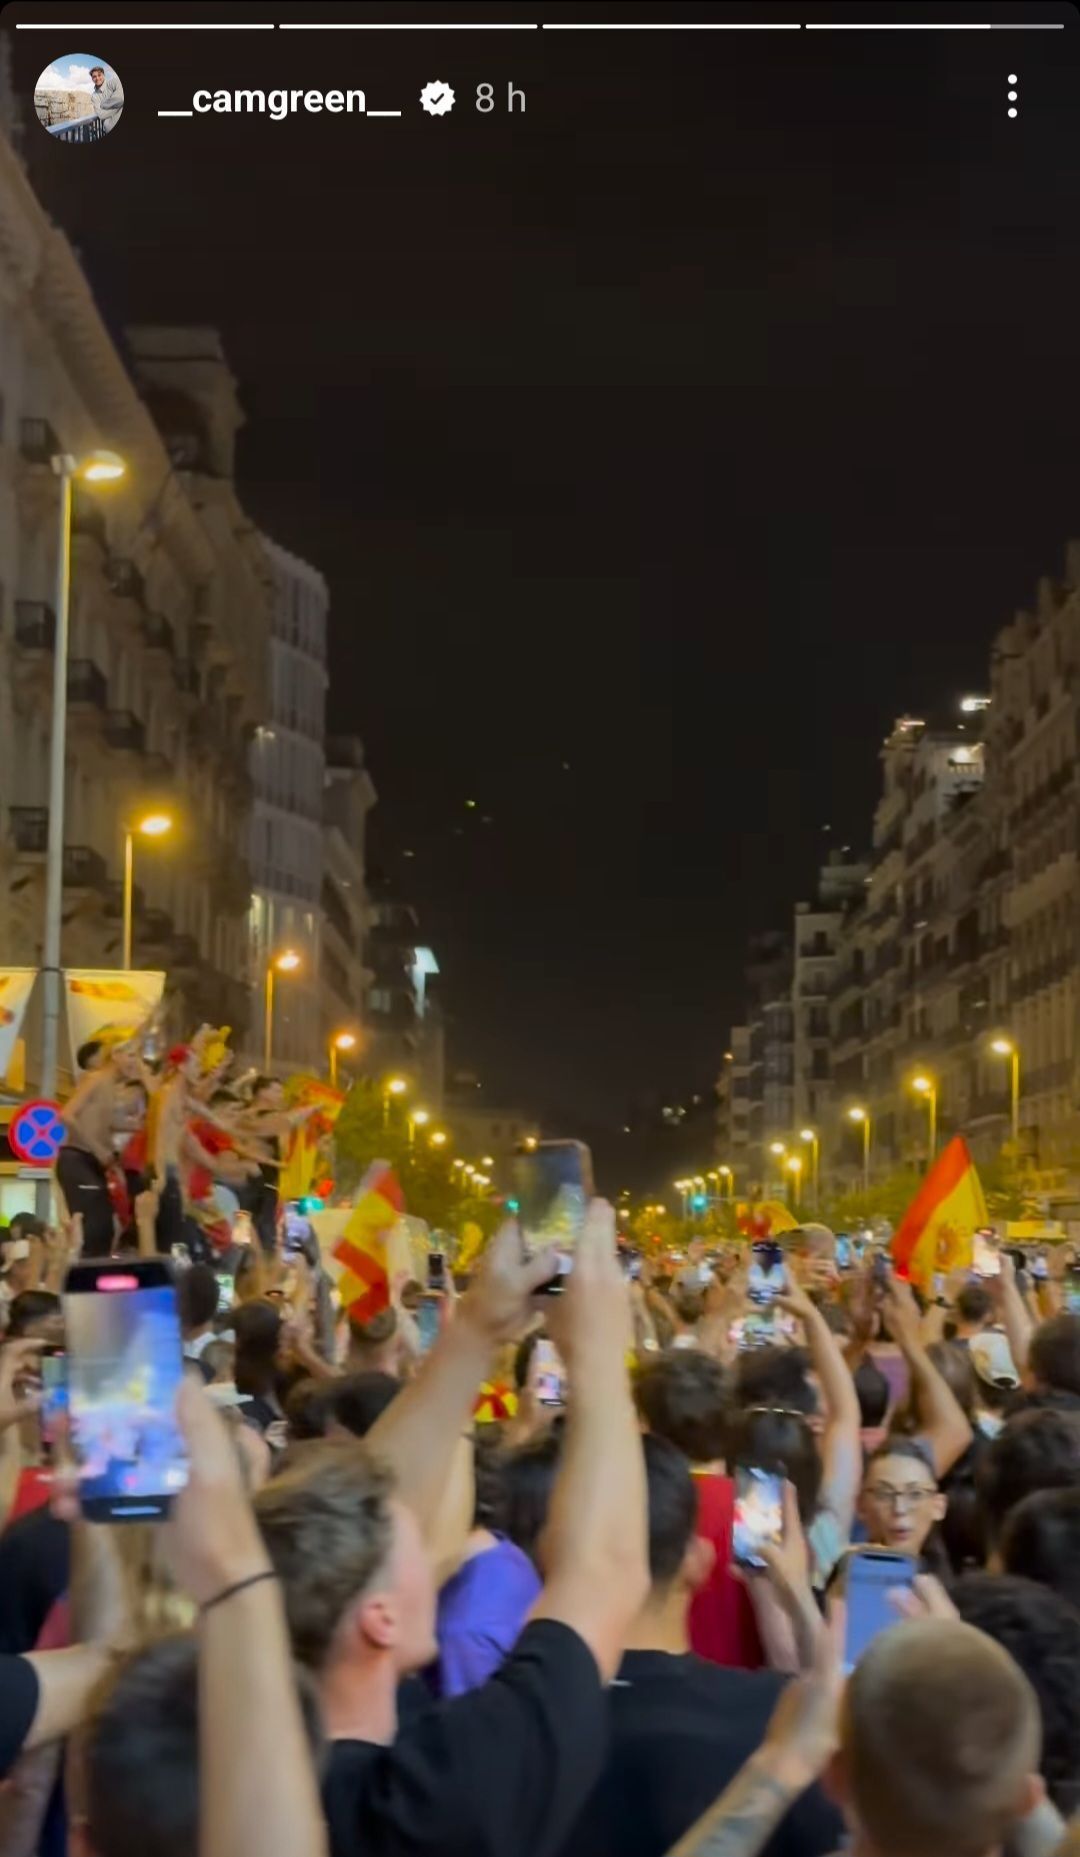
(37,1133)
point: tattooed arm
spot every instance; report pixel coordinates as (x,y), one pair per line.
(744,1817)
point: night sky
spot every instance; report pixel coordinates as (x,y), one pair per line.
(659,446)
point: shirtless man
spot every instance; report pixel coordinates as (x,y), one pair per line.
(90,1117)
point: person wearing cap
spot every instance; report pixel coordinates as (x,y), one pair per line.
(996,1376)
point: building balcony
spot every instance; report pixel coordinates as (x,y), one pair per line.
(35,626)
(38,442)
(86,686)
(29,829)
(159,637)
(84,868)
(124,580)
(125,732)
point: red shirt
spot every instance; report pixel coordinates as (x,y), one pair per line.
(32,1491)
(723,1627)
(200,1183)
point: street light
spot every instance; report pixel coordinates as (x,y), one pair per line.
(727,1175)
(926,1087)
(418,1119)
(813,1141)
(858,1114)
(794,1165)
(393,1086)
(97,467)
(285,963)
(1008,1047)
(153,825)
(343,1041)
(439,1138)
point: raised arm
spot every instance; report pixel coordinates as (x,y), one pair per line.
(1015,1315)
(595,1546)
(841,1446)
(943,1422)
(421,1433)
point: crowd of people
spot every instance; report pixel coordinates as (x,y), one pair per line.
(375,1626)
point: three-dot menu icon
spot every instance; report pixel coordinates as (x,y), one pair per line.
(1013,94)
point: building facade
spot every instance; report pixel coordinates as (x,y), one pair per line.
(288,765)
(170,616)
(348,798)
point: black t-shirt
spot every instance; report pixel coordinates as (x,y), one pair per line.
(18,1706)
(35,1557)
(680,1730)
(504,1769)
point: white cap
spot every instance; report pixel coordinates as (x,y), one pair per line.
(992,1360)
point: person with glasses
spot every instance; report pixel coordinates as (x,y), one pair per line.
(900,1503)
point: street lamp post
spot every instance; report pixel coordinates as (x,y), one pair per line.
(343,1041)
(97,467)
(779,1151)
(813,1141)
(1008,1047)
(418,1119)
(858,1114)
(154,825)
(727,1183)
(394,1086)
(794,1165)
(926,1087)
(285,963)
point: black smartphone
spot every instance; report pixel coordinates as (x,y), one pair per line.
(879,1270)
(436,1270)
(54,1393)
(759,1514)
(125,1366)
(553,1184)
(548,1375)
(871,1574)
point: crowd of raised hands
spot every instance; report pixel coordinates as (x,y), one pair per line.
(578,1628)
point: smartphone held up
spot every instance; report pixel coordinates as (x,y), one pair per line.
(553,1184)
(124,1369)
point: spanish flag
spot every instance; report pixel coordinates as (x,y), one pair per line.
(937,1232)
(363,1281)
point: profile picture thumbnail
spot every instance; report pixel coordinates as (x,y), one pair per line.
(78,98)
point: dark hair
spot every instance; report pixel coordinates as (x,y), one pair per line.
(899,1446)
(360,1398)
(873,1393)
(489,1458)
(1041,1633)
(29,1308)
(87,1052)
(257,1327)
(683,1397)
(974,1303)
(1041,1541)
(954,1364)
(775,1377)
(261,1083)
(528,1480)
(672,1501)
(307,1409)
(197,1297)
(688,1302)
(1033,1451)
(374,1333)
(770,1438)
(142,1753)
(1054,1354)
(97,67)
(26,1225)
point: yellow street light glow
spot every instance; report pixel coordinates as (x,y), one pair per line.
(102,467)
(396,1086)
(155,825)
(924,1085)
(438,1139)
(777,1147)
(420,1116)
(458,1163)
(345,1041)
(486,1160)
(807,1134)
(1003,1046)
(726,1172)
(288,962)
(530,1142)
(856,1115)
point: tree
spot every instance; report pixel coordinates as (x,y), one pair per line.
(885,1199)
(365,1132)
